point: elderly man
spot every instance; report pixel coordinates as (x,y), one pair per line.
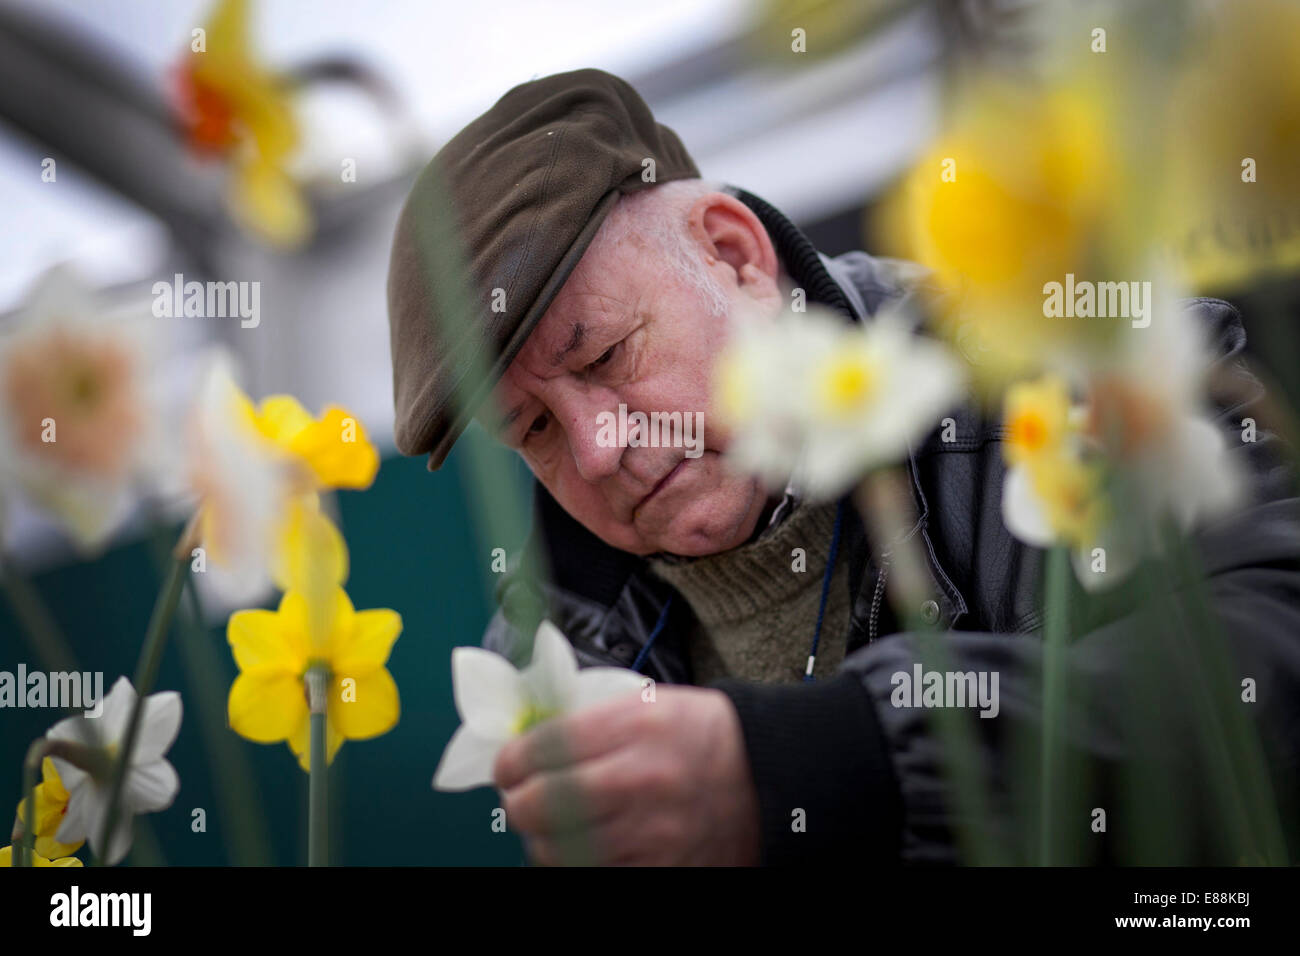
(610,275)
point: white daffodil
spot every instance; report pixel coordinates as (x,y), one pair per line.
(814,397)
(496,702)
(151,782)
(82,411)
(242,491)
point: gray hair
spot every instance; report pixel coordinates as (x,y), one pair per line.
(655,218)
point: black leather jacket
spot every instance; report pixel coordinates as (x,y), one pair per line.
(870,777)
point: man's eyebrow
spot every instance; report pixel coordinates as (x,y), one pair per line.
(575,342)
(503,428)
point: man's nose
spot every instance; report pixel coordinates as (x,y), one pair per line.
(590,422)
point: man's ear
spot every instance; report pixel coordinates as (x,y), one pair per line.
(730,233)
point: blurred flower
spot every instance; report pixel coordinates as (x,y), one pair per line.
(814,396)
(275,649)
(826,27)
(1057,498)
(1237,99)
(234,106)
(257,471)
(1139,450)
(497,702)
(51,808)
(7,859)
(1023,190)
(81,416)
(151,783)
(1147,414)
(1037,420)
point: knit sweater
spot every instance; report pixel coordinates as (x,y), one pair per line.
(756,611)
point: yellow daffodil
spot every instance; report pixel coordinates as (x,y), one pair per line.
(7,859)
(51,808)
(235,106)
(1059,499)
(333,448)
(275,649)
(1037,420)
(1050,494)
(1020,193)
(257,471)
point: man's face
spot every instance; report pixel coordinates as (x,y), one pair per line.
(625,330)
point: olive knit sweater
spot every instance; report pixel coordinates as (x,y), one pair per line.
(756,610)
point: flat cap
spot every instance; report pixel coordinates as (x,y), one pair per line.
(528,184)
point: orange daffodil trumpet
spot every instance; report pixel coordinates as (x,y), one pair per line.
(496,702)
(812,398)
(233,106)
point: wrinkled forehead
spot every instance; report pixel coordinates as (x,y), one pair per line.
(607,283)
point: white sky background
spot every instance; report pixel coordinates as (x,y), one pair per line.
(449,60)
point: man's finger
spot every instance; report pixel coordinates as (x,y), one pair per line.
(563,741)
(559,801)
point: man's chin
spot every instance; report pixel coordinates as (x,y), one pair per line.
(702,528)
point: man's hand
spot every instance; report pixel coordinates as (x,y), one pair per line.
(637,782)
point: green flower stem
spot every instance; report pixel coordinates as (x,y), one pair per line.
(38,625)
(885,502)
(1055,642)
(317,681)
(230,771)
(146,673)
(24,836)
(500,506)
(1240,780)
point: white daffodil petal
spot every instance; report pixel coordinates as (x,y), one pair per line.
(160,722)
(151,787)
(489,692)
(73,777)
(117,711)
(835,462)
(596,684)
(1205,484)
(1021,511)
(81,730)
(119,840)
(554,669)
(467,761)
(75,825)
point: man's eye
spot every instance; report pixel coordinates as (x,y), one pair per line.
(605,356)
(537,427)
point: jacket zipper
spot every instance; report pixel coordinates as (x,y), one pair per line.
(874,622)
